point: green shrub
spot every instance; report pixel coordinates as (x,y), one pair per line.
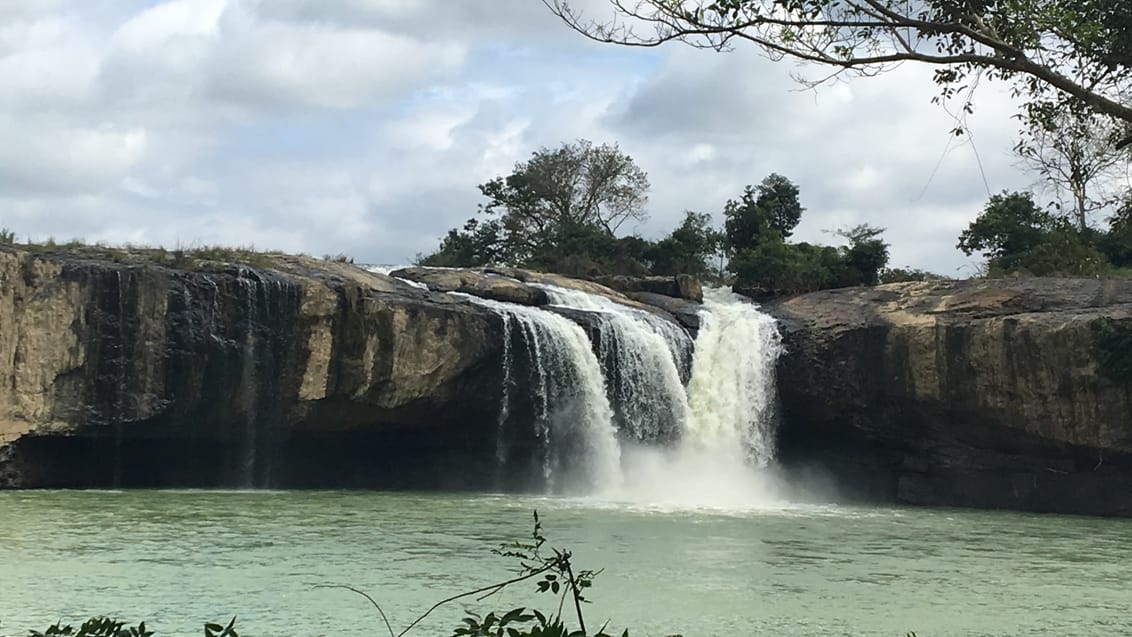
(1112,345)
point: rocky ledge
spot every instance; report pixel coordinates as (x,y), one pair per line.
(147,368)
(1001,394)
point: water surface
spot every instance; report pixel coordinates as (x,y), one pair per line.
(178,559)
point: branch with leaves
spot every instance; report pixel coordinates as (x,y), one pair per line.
(1080,49)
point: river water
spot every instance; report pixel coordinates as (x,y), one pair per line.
(180,558)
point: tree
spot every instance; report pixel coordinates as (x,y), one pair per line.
(1010,225)
(1116,244)
(1018,236)
(557,210)
(865,256)
(903,275)
(576,184)
(769,212)
(477,245)
(686,249)
(1073,150)
(778,198)
(1078,49)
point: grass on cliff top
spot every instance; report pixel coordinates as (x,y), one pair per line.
(191,257)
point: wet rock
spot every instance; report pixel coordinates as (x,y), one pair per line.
(680,286)
(686,312)
(485,285)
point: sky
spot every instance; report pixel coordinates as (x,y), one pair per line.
(362,127)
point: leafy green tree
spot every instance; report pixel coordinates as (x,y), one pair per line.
(1116,244)
(1018,236)
(560,209)
(585,250)
(768,212)
(1010,226)
(577,184)
(865,257)
(1080,50)
(687,249)
(777,267)
(902,275)
(477,244)
(778,198)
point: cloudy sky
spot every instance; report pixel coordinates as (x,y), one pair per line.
(363,126)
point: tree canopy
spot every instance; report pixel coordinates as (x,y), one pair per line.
(551,213)
(1017,235)
(563,203)
(1078,51)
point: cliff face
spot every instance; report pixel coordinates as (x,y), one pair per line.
(143,368)
(130,369)
(119,371)
(979,393)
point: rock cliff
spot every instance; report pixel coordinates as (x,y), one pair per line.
(119,369)
(1008,393)
(148,368)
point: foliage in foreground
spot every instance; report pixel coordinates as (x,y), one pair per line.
(107,627)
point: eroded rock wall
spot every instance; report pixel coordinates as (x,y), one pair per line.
(115,370)
(976,393)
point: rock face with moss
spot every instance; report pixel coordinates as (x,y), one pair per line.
(1007,393)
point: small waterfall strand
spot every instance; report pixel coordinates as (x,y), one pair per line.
(641,354)
(732,390)
(572,416)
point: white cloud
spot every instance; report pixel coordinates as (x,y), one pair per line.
(43,155)
(320,65)
(363,127)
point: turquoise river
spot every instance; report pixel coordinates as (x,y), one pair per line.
(180,558)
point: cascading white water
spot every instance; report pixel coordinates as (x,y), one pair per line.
(572,415)
(641,354)
(615,419)
(724,417)
(729,435)
(731,393)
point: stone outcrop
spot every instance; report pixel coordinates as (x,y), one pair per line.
(680,286)
(1000,393)
(118,370)
(686,312)
(485,285)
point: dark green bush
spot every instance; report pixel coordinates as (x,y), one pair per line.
(1112,345)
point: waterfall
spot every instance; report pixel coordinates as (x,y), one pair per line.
(731,393)
(729,437)
(621,403)
(566,399)
(704,444)
(642,355)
